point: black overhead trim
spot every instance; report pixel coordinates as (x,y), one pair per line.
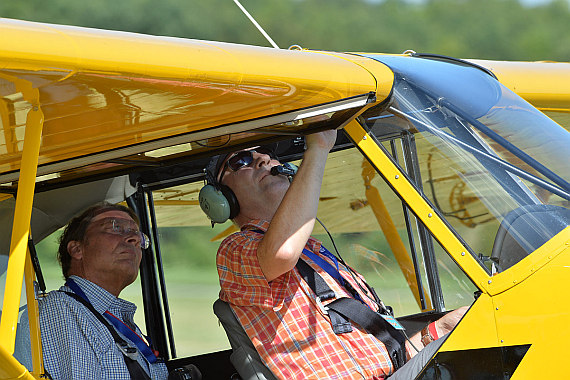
(439,57)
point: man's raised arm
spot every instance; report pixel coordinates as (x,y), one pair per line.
(294,219)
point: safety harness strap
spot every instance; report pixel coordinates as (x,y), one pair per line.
(343,310)
(129,353)
(375,325)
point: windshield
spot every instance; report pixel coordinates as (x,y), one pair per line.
(494,166)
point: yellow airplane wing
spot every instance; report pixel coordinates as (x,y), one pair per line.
(105,91)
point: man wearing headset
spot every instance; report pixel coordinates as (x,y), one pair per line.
(260,279)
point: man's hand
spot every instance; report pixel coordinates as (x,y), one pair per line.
(446,323)
(443,326)
(323,140)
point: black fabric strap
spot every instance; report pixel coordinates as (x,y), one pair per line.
(340,323)
(374,324)
(134,367)
(344,309)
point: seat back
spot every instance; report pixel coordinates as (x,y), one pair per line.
(525,229)
(23,346)
(244,357)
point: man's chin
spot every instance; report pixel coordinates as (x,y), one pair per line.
(129,280)
(129,273)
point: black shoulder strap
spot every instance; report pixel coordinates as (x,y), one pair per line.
(135,369)
(343,309)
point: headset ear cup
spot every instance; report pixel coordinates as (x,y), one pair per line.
(214,204)
(231,199)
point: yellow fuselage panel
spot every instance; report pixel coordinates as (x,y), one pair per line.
(534,311)
(537,312)
(102,90)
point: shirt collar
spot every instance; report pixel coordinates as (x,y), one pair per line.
(256,224)
(102,300)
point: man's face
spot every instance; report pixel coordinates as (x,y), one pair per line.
(254,186)
(108,257)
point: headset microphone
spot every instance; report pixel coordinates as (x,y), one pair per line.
(286,169)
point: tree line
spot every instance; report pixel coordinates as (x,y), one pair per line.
(486,29)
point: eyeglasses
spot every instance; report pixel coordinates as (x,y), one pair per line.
(244,158)
(124,227)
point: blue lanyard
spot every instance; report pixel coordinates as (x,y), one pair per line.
(119,325)
(334,272)
(325,265)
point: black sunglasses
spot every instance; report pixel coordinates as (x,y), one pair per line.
(244,158)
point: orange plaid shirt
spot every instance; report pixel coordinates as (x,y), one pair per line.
(292,336)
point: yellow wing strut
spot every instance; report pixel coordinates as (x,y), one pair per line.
(22,216)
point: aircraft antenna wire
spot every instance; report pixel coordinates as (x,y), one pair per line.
(380,304)
(256,24)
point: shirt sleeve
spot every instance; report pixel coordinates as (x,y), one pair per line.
(241,278)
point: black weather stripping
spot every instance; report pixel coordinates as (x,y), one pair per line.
(479,364)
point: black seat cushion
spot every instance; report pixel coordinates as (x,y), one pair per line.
(525,229)
(245,357)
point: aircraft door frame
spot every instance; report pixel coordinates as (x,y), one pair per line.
(157,321)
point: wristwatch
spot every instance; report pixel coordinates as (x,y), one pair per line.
(429,334)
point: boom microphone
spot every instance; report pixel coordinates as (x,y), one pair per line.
(286,169)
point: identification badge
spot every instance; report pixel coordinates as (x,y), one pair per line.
(393,321)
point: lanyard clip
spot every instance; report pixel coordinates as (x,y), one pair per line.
(324,309)
(128,351)
(327,296)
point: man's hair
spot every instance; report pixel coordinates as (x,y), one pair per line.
(214,166)
(76,228)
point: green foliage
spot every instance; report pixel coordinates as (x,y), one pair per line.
(487,29)
(188,246)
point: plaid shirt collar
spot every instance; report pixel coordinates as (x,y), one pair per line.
(256,224)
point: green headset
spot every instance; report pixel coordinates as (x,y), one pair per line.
(217,200)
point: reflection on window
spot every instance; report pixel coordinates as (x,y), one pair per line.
(378,237)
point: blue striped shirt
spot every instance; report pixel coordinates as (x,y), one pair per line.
(76,345)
